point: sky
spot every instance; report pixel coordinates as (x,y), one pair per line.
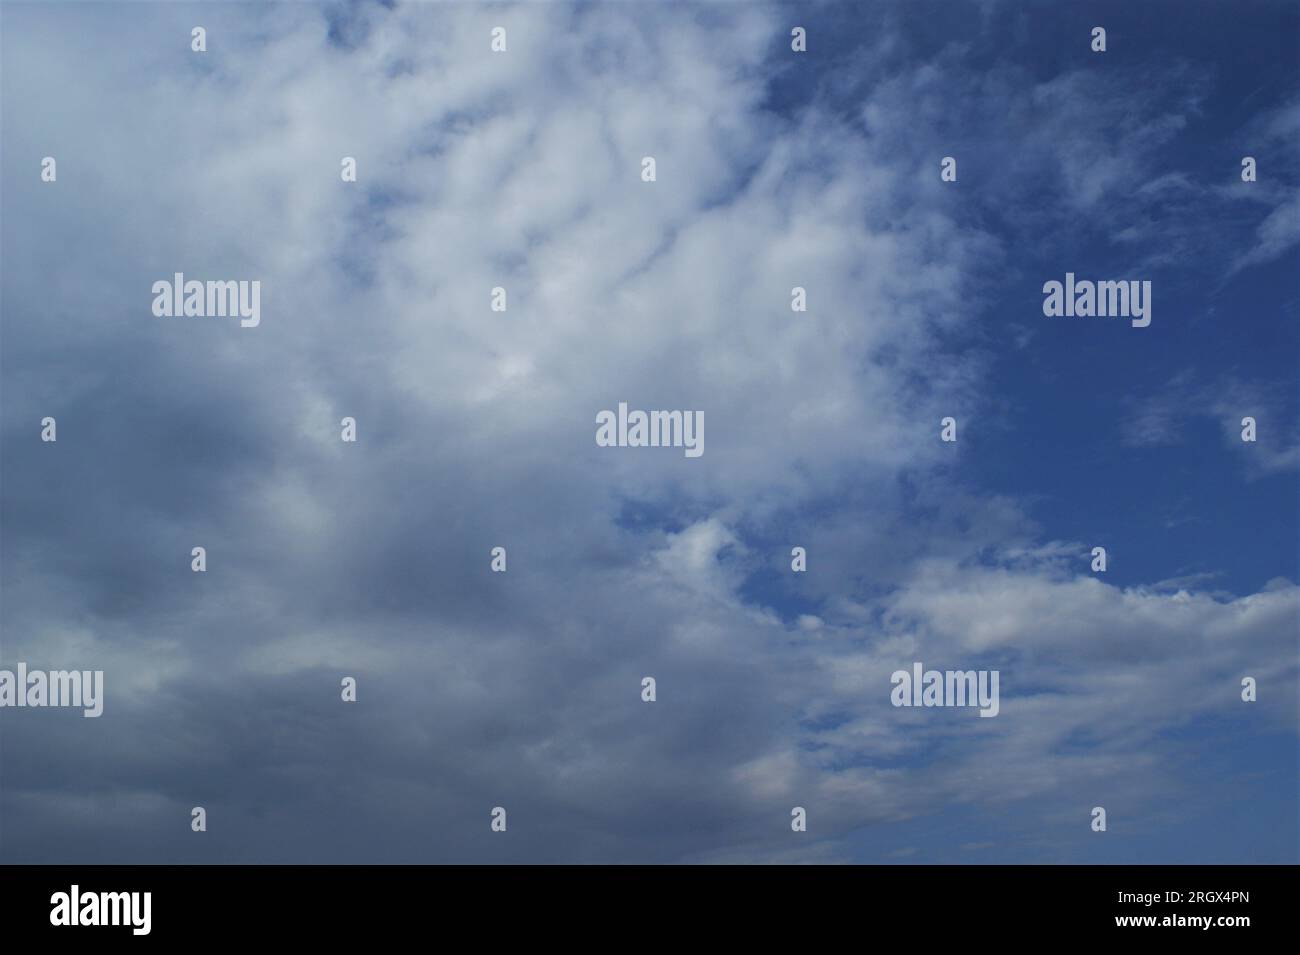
(476,428)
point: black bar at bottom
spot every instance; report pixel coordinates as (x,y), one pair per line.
(617,904)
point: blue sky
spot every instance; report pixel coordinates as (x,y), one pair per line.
(476,428)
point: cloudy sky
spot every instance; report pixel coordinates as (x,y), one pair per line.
(476,429)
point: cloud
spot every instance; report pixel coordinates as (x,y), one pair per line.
(1279,231)
(476,429)
(1164,418)
(1277,131)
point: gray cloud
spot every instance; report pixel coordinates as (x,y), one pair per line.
(476,429)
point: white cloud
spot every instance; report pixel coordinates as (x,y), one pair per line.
(477,428)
